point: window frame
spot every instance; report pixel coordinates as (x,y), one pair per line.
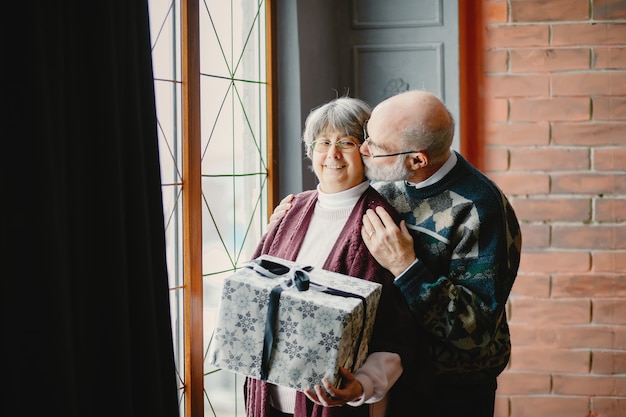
(192,378)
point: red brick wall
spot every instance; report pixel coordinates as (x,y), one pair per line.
(555,134)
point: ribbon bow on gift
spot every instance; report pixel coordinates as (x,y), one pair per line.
(298,278)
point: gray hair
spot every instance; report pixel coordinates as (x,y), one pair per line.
(345,114)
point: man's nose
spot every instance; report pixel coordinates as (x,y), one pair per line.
(364,149)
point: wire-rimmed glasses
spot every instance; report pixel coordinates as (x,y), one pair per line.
(323,145)
(368,142)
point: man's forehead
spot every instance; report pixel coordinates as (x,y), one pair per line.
(382,132)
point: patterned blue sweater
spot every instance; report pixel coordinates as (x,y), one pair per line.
(468,242)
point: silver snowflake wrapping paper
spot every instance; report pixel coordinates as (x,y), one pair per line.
(315,332)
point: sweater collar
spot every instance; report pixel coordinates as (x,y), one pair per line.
(346,198)
(437,176)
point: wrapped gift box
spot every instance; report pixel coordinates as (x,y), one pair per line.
(314,330)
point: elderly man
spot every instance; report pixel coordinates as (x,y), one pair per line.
(455,255)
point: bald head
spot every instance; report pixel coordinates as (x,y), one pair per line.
(415,108)
(418,119)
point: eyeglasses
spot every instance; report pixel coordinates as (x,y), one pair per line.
(370,144)
(342,145)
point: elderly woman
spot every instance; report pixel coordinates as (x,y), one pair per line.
(323,229)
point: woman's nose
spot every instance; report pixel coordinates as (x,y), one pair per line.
(333,151)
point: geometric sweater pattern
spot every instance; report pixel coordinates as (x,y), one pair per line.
(468,242)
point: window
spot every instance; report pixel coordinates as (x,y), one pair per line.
(227,96)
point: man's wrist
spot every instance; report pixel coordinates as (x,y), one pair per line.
(404,271)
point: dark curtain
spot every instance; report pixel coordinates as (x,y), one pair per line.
(85,302)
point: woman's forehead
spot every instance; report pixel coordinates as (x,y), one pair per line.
(334,133)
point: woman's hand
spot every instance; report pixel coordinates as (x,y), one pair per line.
(329,396)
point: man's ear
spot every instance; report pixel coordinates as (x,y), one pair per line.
(419,160)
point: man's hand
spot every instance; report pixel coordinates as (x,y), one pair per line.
(329,396)
(281,209)
(390,245)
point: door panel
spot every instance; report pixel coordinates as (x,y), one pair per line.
(395,13)
(381,71)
